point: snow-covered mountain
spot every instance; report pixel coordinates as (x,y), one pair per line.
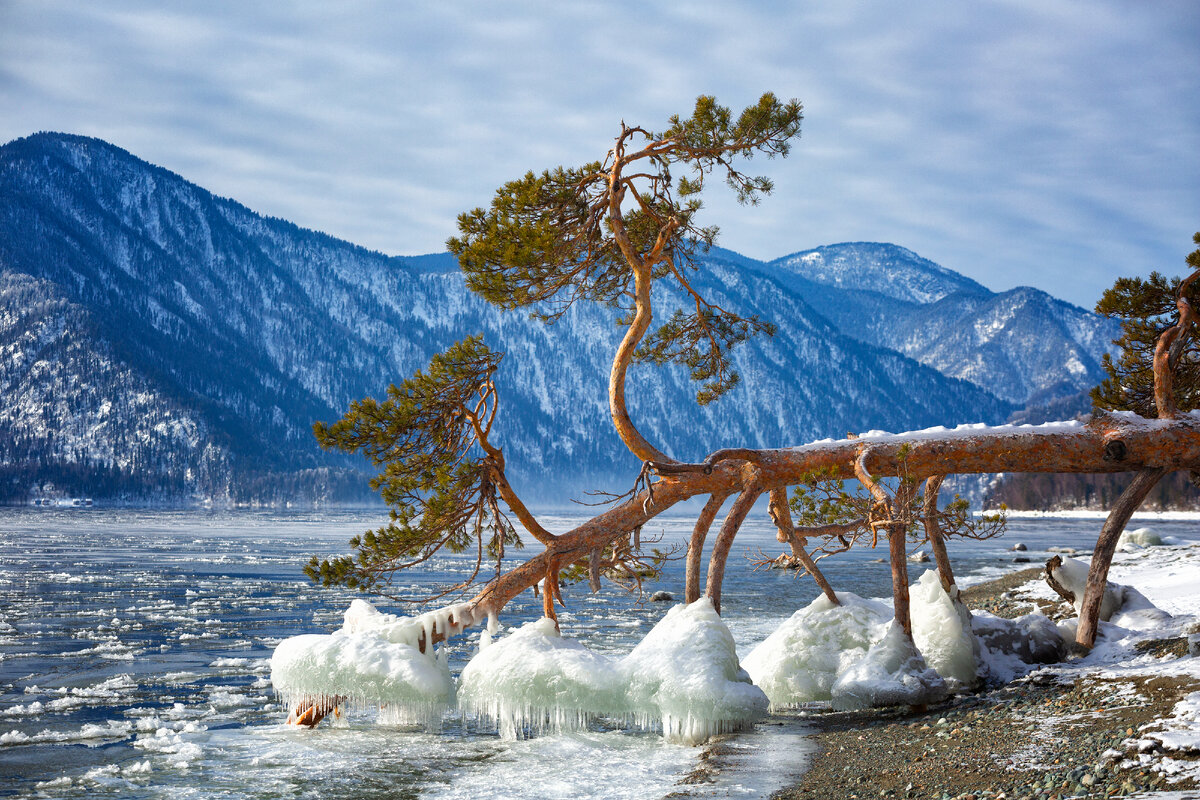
(1022,345)
(158,340)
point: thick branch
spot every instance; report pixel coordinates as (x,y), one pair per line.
(691,583)
(782,515)
(933,531)
(751,490)
(1167,350)
(1106,545)
(1063,447)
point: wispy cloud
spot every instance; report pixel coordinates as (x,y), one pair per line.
(1047,143)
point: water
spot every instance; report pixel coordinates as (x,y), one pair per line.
(134,653)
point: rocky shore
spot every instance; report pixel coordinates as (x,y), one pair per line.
(1059,732)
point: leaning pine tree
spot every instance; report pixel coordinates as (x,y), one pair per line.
(609,232)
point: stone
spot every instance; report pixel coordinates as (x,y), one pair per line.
(661,597)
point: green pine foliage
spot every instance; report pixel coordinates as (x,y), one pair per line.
(551,239)
(1146,308)
(429,439)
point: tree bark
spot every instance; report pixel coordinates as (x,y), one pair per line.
(1106,545)
(782,514)
(1091,448)
(695,553)
(933,532)
(733,521)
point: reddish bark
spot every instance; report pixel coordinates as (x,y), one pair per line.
(691,582)
(1106,545)
(782,514)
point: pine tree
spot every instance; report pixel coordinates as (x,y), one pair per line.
(1147,307)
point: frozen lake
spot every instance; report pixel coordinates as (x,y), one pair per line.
(134,651)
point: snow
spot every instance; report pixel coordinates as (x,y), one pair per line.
(801,660)
(892,672)
(1122,605)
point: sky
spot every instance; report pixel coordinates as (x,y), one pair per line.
(1044,143)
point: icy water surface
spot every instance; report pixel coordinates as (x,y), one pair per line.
(134,653)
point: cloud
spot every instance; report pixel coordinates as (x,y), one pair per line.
(1048,143)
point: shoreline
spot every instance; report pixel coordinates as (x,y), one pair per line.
(1090,513)
(1061,731)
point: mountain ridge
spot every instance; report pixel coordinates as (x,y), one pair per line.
(256,327)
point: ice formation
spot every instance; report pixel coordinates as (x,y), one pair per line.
(941,629)
(1122,605)
(1142,537)
(534,678)
(891,673)
(800,661)
(374,659)
(686,673)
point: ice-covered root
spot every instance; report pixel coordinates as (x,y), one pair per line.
(802,658)
(1122,605)
(941,629)
(685,675)
(374,659)
(534,679)
(891,673)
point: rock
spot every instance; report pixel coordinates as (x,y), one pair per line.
(919,557)
(1020,560)
(1194,644)
(661,597)
(1018,547)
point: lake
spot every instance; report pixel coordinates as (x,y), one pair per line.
(135,646)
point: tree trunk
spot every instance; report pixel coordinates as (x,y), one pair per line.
(899,559)
(691,582)
(1108,443)
(1106,545)
(733,521)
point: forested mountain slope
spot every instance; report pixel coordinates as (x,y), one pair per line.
(160,341)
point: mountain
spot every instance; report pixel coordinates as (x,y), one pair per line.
(1023,345)
(159,341)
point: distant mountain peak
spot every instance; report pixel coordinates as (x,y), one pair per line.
(887,269)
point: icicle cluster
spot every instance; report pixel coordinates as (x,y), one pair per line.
(683,678)
(373,660)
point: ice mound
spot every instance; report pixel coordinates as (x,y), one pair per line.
(534,678)
(800,661)
(1142,537)
(1122,605)
(374,659)
(941,629)
(892,672)
(685,673)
